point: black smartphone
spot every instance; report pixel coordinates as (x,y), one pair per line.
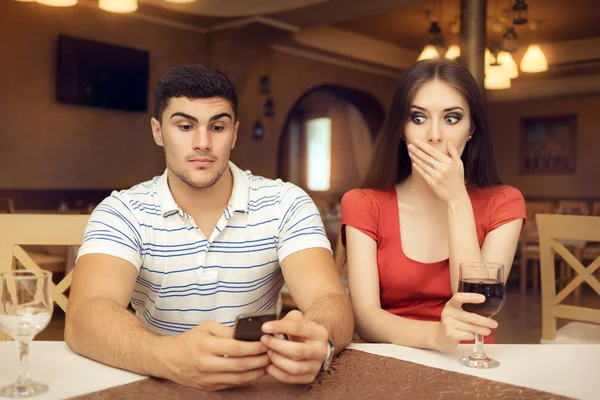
(249,327)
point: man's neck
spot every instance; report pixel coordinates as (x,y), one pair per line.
(200,201)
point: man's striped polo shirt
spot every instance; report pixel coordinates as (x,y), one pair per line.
(185,279)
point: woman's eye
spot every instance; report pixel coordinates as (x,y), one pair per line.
(418,119)
(452,119)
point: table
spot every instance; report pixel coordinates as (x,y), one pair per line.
(65,372)
(568,370)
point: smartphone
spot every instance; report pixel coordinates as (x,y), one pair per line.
(249,327)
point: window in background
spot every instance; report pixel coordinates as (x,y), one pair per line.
(318,134)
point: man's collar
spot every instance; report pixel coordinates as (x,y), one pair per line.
(241,189)
(238,202)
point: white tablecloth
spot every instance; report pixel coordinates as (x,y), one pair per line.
(570,370)
(66,373)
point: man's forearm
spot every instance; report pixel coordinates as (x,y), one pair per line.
(106,332)
(334,312)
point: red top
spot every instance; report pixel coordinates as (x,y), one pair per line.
(409,288)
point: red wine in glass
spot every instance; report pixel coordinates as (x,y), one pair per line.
(493,291)
(484,278)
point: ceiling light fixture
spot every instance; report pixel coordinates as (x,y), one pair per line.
(118,6)
(496,79)
(57,3)
(509,40)
(435,44)
(534,59)
(428,53)
(507,62)
(520,12)
(453,52)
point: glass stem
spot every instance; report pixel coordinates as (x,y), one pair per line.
(478,352)
(23,378)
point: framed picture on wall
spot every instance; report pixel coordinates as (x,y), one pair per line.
(548,145)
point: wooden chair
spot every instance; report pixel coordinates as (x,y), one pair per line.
(573,207)
(530,249)
(592,250)
(17,230)
(552,230)
(596,208)
(7,205)
(48,260)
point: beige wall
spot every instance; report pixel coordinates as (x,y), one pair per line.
(504,125)
(50,145)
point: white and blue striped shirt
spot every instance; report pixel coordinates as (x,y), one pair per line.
(185,279)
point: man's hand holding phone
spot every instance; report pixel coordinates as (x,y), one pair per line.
(208,357)
(301,358)
(248,327)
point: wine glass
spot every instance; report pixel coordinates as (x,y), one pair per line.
(486,279)
(25,309)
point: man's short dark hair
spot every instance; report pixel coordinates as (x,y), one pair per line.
(193,82)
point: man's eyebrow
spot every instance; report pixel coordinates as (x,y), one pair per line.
(219,116)
(184,115)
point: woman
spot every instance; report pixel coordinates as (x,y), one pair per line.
(431,199)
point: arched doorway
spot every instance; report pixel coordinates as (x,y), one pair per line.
(330,130)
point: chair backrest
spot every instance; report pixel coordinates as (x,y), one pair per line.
(537,207)
(18,230)
(596,208)
(576,207)
(557,232)
(7,205)
(532,208)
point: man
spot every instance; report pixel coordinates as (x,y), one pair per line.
(192,249)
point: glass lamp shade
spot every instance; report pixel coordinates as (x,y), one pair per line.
(453,52)
(428,53)
(496,78)
(534,60)
(508,63)
(57,3)
(118,6)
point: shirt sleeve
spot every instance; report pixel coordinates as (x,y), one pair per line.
(300,224)
(360,212)
(506,206)
(113,229)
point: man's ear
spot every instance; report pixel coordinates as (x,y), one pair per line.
(235,133)
(157,132)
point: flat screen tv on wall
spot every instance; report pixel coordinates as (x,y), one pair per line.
(101,75)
